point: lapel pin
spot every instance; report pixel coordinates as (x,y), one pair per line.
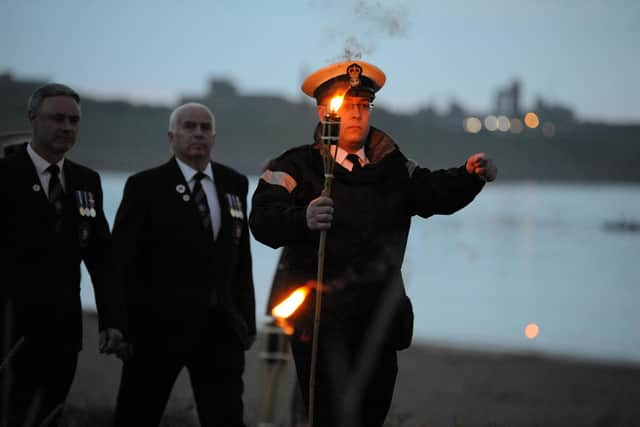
(180,188)
(36,187)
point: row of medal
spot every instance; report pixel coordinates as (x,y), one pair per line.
(86,203)
(235,206)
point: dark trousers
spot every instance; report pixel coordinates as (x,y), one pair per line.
(36,383)
(215,363)
(352,389)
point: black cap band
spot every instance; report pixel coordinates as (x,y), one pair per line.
(340,85)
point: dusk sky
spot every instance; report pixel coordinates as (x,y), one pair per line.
(584,54)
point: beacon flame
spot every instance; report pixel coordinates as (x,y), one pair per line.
(287,307)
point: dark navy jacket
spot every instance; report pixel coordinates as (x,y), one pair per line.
(366,243)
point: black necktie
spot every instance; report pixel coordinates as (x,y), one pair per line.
(201,201)
(355,161)
(56,194)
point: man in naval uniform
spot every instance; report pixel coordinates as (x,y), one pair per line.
(366,316)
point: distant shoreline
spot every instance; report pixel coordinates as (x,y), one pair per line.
(123,136)
(500,182)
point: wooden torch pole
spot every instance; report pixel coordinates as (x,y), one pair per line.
(330,134)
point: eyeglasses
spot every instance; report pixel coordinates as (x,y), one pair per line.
(361,106)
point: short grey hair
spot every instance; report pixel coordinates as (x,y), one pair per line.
(173,118)
(47,91)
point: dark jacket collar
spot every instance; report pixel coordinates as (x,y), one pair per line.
(377,146)
(173,166)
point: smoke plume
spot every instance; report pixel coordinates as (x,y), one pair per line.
(367,23)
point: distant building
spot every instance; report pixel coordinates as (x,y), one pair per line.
(508,100)
(219,88)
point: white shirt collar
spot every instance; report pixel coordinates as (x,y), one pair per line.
(40,163)
(341,155)
(188,172)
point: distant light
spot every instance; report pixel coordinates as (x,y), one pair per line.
(531,331)
(472,124)
(516,125)
(503,123)
(491,123)
(531,120)
(548,129)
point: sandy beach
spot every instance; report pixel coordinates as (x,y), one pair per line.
(438,386)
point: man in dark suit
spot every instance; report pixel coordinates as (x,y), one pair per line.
(51,219)
(182,243)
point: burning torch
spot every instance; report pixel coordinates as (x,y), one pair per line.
(330,134)
(329,137)
(276,351)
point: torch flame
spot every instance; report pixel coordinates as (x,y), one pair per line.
(287,307)
(335,103)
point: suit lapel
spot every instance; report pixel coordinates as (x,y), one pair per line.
(185,204)
(176,178)
(179,188)
(33,193)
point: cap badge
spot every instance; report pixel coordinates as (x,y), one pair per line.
(354,71)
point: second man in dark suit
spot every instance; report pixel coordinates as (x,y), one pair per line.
(182,244)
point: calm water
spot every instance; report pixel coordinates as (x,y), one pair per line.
(521,253)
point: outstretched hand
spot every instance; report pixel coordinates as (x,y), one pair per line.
(482,166)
